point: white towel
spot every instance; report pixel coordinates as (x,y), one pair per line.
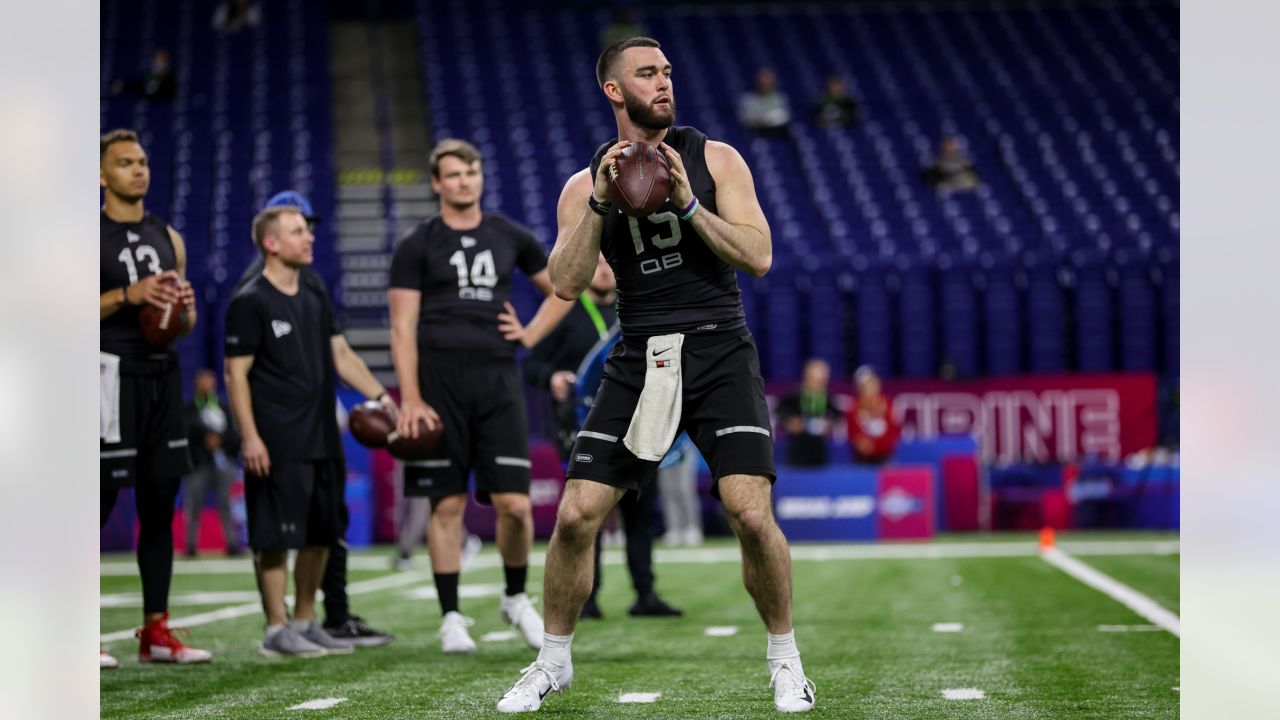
(109,402)
(657,415)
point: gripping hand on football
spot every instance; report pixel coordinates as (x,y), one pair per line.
(158,290)
(681,191)
(413,410)
(601,190)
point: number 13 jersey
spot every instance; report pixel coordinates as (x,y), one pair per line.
(669,280)
(130,251)
(465,277)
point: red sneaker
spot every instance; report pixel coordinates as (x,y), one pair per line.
(160,643)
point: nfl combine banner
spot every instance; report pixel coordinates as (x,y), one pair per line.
(1034,419)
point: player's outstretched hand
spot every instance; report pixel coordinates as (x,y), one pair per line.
(601,190)
(681,191)
(510,326)
(411,411)
(159,290)
(256,459)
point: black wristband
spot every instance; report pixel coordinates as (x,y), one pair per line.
(598,207)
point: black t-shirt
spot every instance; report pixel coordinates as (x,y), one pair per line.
(293,379)
(465,277)
(131,251)
(669,280)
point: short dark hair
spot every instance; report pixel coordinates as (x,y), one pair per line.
(461,149)
(115,136)
(265,222)
(609,58)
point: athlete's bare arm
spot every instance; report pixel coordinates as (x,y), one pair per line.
(236,374)
(405,306)
(738,232)
(185,290)
(150,289)
(550,313)
(353,370)
(573,259)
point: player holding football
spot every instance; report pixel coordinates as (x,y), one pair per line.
(453,341)
(678,301)
(143,434)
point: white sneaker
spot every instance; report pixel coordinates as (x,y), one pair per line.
(673,538)
(692,537)
(792,691)
(105,660)
(537,681)
(518,610)
(454,638)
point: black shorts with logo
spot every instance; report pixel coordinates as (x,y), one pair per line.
(480,400)
(153,429)
(298,505)
(724,411)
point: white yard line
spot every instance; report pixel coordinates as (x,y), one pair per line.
(321,704)
(964,694)
(1130,598)
(235,611)
(816,552)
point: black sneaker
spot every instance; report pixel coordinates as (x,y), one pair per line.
(650,605)
(591,610)
(356,632)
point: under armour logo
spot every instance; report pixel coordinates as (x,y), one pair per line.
(281,328)
(288,528)
(132,236)
(468,241)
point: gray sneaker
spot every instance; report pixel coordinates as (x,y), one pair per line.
(312,632)
(287,642)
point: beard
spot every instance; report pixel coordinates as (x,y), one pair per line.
(644,114)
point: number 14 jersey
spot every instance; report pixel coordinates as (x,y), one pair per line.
(465,277)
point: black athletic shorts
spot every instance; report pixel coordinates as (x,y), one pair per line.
(724,411)
(486,428)
(297,505)
(153,429)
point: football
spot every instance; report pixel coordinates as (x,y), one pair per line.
(371,422)
(405,448)
(640,180)
(161,326)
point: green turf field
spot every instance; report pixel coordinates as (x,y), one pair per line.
(1030,640)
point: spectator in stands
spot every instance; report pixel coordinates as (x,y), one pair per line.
(807,415)
(214,444)
(236,15)
(765,109)
(951,171)
(873,430)
(835,108)
(157,84)
(622,27)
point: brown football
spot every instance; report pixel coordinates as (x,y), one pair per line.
(410,449)
(371,422)
(640,180)
(161,326)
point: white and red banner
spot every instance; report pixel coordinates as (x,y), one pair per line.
(1033,418)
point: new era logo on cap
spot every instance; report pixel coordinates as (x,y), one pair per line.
(281,328)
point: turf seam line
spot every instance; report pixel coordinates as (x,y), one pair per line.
(1127,596)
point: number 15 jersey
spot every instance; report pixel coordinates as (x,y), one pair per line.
(465,277)
(669,280)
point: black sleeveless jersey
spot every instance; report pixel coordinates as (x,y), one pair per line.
(131,251)
(669,280)
(465,277)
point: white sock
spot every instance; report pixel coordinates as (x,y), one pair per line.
(782,647)
(555,649)
(299,625)
(273,629)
